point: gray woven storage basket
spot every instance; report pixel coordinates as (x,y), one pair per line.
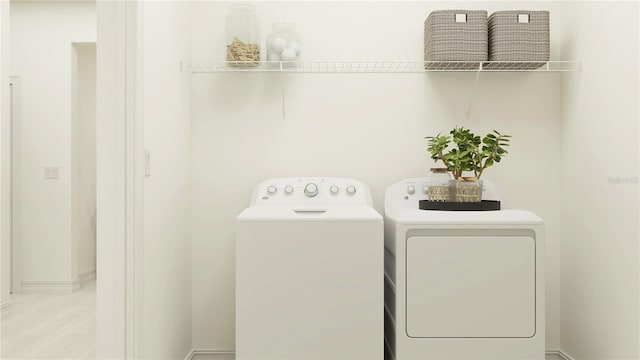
(447,40)
(513,40)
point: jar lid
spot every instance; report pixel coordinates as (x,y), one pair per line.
(439,170)
(283,26)
(243,6)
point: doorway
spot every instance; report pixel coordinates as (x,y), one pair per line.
(83,167)
(116,25)
(52,181)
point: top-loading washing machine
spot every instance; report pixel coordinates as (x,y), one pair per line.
(462,284)
(309,267)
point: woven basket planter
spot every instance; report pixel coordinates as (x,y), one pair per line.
(519,36)
(456,35)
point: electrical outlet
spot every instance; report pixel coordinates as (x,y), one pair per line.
(51,172)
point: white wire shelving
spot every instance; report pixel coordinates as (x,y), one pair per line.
(378,66)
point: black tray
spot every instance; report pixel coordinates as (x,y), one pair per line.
(484,205)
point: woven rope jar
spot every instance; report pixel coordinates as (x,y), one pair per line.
(438,185)
(468,189)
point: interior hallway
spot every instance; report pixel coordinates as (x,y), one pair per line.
(51,326)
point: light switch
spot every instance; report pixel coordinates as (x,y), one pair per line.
(461,18)
(147,163)
(51,172)
(523,18)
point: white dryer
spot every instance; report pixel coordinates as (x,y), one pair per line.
(462,284)
(309,262)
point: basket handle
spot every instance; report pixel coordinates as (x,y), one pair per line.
(461,18)
(524,18)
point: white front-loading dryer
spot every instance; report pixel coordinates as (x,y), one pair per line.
(462,284)
(309,265)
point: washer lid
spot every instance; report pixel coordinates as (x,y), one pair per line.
(499,217)
(307,213)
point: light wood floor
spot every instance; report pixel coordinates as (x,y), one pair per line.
(50,326)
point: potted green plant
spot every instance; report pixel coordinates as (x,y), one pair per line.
(469,153)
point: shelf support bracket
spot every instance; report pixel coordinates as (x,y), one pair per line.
(473,92)
(284,113)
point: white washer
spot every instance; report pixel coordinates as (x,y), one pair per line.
(462,284)
(309,262)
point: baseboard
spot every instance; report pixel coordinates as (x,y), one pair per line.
(551,354)
(189,355)
(59,287)
(554,354)
(5,304)
(211,355)
(87,276)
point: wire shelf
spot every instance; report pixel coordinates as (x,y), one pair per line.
(379,66)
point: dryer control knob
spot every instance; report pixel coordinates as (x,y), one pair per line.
(334,189)
(351,190)
(288,189)
(311,190)
(411,189)
(272,190)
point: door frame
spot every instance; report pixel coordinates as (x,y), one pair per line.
(15,120)
(119,153)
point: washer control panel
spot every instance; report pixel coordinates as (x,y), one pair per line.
(316,191)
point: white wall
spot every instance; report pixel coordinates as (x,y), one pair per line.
(41,53)
(600,279)
(5,207)
(166,297)
(367,126)
(83,158)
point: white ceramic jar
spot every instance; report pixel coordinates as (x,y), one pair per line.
(283,45)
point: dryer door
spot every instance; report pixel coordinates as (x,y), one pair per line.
(470,287)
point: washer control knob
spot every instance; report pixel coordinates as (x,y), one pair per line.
(288,189)
(311,190)
(425,189)
(411,189)
(334,189)
(351,190)
(272,190)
